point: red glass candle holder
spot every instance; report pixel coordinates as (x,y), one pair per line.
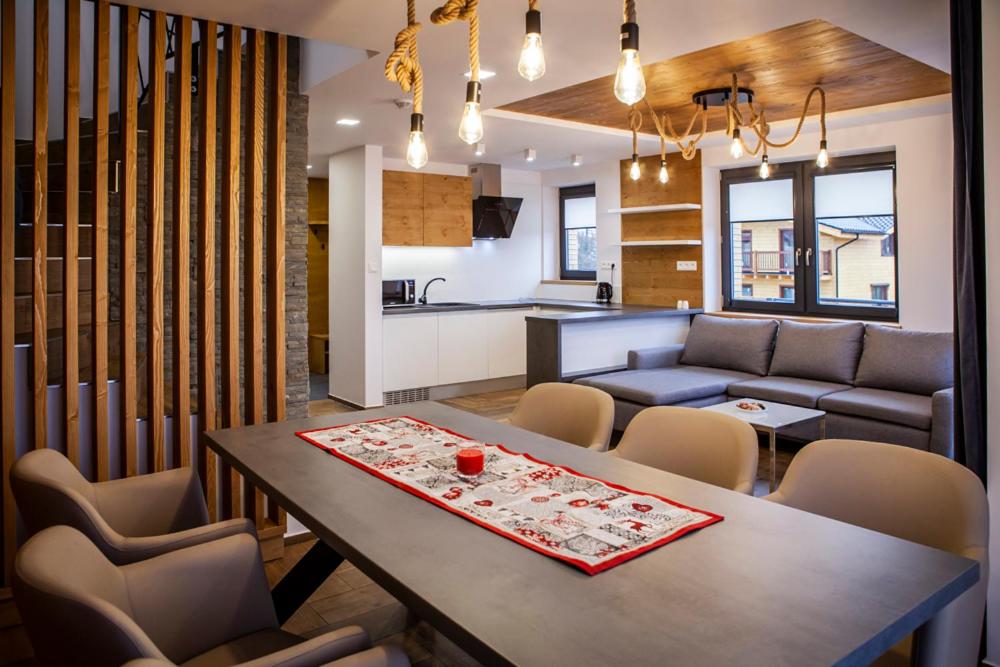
(470,459)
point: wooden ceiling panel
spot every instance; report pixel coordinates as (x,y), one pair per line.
(780,66)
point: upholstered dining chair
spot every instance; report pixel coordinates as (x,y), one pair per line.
(913,495)
(707,446)
(128,519)
(203,606)
(573,413)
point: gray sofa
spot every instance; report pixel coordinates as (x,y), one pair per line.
(875,382)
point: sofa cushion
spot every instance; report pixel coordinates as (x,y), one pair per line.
(725,342)
(896,407)
(665,386)
(789,390)
(826,352)
(916,362)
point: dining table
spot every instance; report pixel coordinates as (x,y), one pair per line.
(768,585)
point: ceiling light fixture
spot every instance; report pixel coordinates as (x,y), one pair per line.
(576,160)
(530,154)
(480,149)
(664,175)
(531,64)
(471,128)
(635,124)
(737,119)
(403,67)
(630,85)
(483,74)
(309,166)
(349,122)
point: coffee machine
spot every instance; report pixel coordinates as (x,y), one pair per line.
(604,290)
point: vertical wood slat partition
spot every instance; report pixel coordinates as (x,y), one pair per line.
(71,250)
(40,257)
(264,113)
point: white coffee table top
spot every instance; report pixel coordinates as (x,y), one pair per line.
(777,415)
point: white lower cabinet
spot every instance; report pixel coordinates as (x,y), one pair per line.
(508,344)
(462,347)
(409,351)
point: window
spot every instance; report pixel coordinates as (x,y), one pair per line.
(578,233)
(812,241)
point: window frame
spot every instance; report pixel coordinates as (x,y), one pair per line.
(808,269)
(573,192)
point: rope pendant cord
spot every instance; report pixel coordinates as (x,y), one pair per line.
(462,10)
(403,64)
(635,124)
(628,11)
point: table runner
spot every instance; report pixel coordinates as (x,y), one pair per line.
(584,521)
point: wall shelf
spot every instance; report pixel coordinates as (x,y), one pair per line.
(659,208)
(678,242)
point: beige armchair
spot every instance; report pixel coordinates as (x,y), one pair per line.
(128,519)
(913,495)
(707,446)
(204,606)
(572,413)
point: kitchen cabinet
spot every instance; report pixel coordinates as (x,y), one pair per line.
(409,351)
(462,347)
(507,336)
(426,209)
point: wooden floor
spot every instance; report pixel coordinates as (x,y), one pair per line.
(349,597)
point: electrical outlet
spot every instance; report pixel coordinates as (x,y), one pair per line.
(687,266)
(607,264)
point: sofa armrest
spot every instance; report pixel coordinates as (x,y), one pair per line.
(943,422)
(330,647)
(655,357)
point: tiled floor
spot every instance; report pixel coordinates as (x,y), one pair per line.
(349,597)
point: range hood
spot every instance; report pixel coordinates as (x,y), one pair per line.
(493,216)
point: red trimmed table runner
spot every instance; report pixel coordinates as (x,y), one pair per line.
(586,522)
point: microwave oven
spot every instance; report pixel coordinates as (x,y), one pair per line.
(398,293)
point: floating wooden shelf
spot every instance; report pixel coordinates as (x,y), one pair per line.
(681,242)
(656,209)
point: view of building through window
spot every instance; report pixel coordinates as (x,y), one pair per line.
(579,241)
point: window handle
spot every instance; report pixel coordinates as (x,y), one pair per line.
(798,256)
(809,254)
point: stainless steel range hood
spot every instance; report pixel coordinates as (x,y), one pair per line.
(493,215)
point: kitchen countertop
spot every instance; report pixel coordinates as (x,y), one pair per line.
(576,311)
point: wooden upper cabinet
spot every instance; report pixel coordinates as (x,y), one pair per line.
(426,209)
(447,210)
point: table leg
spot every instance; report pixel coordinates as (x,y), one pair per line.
(772,444)
(303,579)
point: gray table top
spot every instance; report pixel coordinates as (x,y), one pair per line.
(777,415)
(768,585)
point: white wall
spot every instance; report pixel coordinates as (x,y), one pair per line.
(923,199)
(488,270)
(991,149)
(355,286)
(607,187)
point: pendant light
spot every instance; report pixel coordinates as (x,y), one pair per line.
(736,147)
(822,158)
(531,64)
(765,169)
(630,84)
(635,123)
(403,67)
(664,176)
(633,172)
(470,130)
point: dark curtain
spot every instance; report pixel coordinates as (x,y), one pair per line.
(970,235)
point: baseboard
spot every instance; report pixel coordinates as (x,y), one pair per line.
(351,404)
(299,538)
(477,387)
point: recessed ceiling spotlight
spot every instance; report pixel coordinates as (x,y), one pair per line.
(309,166)
(349,122)
(529,154)
(483,74)
(480,149)
(577,160)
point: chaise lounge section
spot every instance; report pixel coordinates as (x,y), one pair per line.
(875,382)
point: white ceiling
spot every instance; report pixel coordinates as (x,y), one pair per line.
(580,38)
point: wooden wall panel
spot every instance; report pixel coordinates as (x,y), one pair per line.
(276,174)
(208,89)
(99,258)
(154,238)
(70,284)
(317,260)
(7,226)
(231,496)
(181,224)
(447,212)
(40,220)
(402,208)
(129,127)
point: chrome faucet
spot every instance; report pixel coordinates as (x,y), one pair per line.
(423,297)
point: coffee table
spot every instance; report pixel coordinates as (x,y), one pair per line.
(770,421)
